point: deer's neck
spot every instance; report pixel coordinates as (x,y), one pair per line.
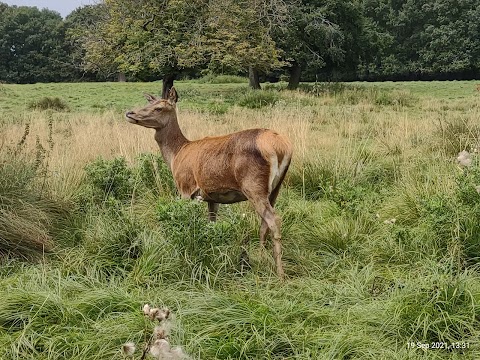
(170,139)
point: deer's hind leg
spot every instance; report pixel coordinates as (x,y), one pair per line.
(272,198)
(269,217)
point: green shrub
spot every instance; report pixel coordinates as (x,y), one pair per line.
(109,180)
(353,95)
(349,187)
(256,99)
(47,103)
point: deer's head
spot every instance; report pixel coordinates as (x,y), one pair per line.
(157,114)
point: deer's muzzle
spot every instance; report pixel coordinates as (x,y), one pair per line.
(129,115)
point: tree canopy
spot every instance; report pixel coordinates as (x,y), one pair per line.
(32,46)
(305,39)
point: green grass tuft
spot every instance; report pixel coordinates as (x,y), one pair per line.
(49,103)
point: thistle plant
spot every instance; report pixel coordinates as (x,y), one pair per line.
(158,346)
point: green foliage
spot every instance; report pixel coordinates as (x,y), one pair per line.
(109,179)
(151,171)
(32,43)
(309,40)
(323,88)
(111,237)
(415,40)
(351,185)
(258,99)
(133,40)
(113,181)
(47,103)
(29,215)
(356,95)
(222,79)
(321,36)
(205,248)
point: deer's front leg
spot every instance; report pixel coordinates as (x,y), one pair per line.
(212,210)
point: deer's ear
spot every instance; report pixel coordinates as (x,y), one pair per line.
(172,95)
(150,98)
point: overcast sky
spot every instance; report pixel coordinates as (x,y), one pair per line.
(64,7)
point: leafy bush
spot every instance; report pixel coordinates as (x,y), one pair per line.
(256,99)
(109,179)
(47,103)
(355,94)
(348,186)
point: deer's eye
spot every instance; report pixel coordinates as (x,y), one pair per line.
(158,109)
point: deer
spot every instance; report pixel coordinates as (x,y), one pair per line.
(248,165)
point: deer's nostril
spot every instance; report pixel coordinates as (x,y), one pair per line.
(129,113)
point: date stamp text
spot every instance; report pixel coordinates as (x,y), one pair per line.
(439,345)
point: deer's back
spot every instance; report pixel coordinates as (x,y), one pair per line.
(220,164)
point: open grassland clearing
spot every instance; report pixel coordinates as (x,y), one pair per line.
(381,235)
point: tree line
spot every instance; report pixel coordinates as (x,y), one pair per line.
(301,40)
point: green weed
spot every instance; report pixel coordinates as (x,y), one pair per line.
(49,103)
(259,99)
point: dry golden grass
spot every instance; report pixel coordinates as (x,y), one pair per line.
(322,129)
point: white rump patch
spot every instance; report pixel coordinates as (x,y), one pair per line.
(276,171)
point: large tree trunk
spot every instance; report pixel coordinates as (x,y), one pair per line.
(167,84)
(253,78)
(295,72)
(121,77)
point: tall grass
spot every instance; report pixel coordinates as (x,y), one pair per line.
(379,224)
(30,215)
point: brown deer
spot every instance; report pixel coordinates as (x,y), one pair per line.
(246,165)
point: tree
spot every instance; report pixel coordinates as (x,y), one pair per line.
(420,39)
(32,47)
(77,25)
(150,38)
(166,38)
(450,41)
(321,33)
(239,36)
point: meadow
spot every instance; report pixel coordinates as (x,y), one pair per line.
(381,229)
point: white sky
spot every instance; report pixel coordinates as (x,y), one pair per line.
(64,7)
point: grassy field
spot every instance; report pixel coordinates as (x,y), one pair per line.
(381,230)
